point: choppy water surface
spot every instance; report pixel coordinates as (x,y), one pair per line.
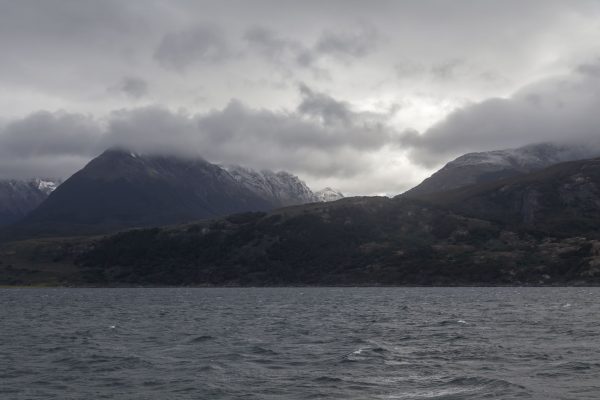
(300,343)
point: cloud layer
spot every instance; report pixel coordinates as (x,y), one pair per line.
(559,109)
(367,97)
(323,137)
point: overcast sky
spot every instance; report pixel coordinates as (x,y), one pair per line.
(366,96)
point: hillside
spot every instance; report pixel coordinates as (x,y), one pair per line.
(562,200)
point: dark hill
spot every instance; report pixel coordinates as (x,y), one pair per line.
(562,199)
(121,189)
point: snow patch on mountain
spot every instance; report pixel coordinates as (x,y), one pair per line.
(46,186)
(328,194)
(486,166)
(527,158)
(19,197)
(280,187)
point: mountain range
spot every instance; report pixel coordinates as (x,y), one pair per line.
(121,189)
(539,228)
(535,226)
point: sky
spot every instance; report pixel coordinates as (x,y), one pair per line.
(368,97)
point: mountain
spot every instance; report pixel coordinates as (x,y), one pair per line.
(19,197)
(121,189)
(535,229)
(328,194)
(281,188)
(488,166)
(278,188)
(563,199)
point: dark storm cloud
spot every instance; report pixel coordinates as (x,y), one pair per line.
(202,43)
(562,109)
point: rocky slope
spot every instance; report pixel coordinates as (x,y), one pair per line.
(19,197)
(489,166)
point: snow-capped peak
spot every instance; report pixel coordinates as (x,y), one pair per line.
(281,187)
(328,194)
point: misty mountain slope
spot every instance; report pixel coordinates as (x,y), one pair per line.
(19,197)
(278,188)
(489,166)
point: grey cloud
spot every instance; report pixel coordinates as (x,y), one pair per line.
(347,44)
(338,45)
(134,88)
(319,105)
(47,144)
(561,109)
(203,43)
(446,70)
(63,54)
(44,133)
(270,45)
(453,69)
(409,69)
(323,137)
(592,69)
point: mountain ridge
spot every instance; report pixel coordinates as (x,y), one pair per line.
(121,189)
(480,167)
(470,236)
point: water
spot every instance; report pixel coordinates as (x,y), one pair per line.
(300,343)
